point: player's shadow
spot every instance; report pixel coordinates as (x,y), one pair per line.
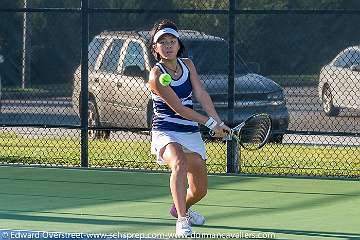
(88,219)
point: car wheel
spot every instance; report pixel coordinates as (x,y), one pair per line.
(327,102)
(93,121)
(276,138)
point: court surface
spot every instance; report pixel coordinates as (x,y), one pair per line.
(114,202)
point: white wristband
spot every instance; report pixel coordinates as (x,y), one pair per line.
(211,123)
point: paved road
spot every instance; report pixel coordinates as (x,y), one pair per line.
(306,113)
(48,112)
(304,107)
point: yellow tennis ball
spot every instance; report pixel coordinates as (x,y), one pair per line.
(165,79)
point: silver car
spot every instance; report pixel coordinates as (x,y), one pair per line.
(119,64)
(339,82)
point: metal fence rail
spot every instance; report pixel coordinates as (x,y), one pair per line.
(290,63)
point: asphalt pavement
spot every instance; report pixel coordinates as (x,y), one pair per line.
(303,104)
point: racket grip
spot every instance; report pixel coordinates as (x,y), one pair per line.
(212,132)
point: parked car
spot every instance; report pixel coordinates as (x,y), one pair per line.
(119,64)
(339,82)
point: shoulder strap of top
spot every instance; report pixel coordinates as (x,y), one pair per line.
(181,61)
(161,67)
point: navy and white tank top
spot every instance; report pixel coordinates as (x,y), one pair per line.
(164,118)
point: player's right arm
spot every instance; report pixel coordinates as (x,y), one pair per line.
(171,99)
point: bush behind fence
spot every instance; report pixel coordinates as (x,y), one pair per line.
(287,43)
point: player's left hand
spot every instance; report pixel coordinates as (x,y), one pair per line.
(221,131)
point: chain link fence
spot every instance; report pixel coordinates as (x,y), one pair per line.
(302,67)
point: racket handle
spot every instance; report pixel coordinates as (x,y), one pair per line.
(212,132)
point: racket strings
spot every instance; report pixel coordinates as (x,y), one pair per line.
(255,132)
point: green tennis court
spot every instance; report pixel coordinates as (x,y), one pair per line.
(72,200)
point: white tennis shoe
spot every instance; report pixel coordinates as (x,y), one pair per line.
(195,217)
(183,228)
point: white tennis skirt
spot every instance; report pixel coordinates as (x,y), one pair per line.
(191,142)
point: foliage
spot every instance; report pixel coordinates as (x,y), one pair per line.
(295,43)
(285,159)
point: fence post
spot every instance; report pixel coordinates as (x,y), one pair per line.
(26,54)
(1,61)
(84,83)
(231,145)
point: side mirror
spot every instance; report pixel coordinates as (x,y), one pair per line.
(1,58)
(134,71)
(355,67)
(253,67)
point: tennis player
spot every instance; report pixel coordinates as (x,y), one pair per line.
(176,140)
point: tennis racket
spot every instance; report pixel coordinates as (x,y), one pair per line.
(253,133)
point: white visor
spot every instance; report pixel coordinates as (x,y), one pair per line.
(163,31)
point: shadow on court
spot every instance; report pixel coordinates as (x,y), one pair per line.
(86,219)
(298,234)
(70,200)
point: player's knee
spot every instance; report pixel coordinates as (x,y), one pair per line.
(179,165)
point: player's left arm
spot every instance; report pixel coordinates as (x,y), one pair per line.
(200,93)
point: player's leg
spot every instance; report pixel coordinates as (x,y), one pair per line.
(175,158)
(198,182)
(197,179)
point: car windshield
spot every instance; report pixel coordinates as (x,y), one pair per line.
(348,58)
(211,57)
(355,58)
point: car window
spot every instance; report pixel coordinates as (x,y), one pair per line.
(95,47)
(111,57)
(134,56)
(354,57)
(211,57)
(347,59)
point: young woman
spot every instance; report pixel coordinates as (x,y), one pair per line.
(176,139)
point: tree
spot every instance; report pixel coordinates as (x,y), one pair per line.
(281,43)
(295,43)
(10,43)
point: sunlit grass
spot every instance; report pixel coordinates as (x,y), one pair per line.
(289,159)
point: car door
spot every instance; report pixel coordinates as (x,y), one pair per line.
(348,79)
(108,81)
(354,72)
(134,92)
(340,81)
